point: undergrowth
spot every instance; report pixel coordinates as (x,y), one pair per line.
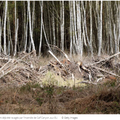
(48,98)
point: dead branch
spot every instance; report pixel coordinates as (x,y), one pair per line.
(8,72)
(5,58)
(5,65)
(56,58)
(88,82)
(62,52)
(105,71)
(106,59)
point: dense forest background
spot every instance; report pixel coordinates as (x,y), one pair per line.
(77,27)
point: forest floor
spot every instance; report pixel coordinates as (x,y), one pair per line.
(28,87)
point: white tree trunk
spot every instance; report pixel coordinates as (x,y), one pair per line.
(40,45)
(16,35)
(31,32)
(79,28)
(26,28)
(0,35)
(10,43)
(115,38)
(75,23)
(119,28)
(32,26)
(62,23)
(91,48)
(74,42)
(100,31)
(6,6)
(53,24)
(16,31)
(71,20)
(110,27)
(46,37)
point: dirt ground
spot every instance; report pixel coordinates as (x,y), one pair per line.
(28,90)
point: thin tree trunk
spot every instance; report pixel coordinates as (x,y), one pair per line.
(40,45)
(25,28)
(16,34)
(71,17)
(100,31)
(46,37)
(91,48)
(32,27)
(75,46)
(79,28)
(75,28)
(31,35)
(62,24)
(6,6)
(0,35)
(53,24)
(115,38)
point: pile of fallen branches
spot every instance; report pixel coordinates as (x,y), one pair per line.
(94,73)
(16,71)
(25,68)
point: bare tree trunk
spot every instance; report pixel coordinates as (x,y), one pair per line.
(0,35)
(46,37)
(100,31)
(32,27)
(91,48)
(115,38)
(6,6)
(62,24)
(71,20)
(110,27)
(16,34)
(25,28)
(75,27)
(119,27)
(10,43)
(53,24)
(31,34)
(79,28)
(74,44)
(40,45)
(16,31)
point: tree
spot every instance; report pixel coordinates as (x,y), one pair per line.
(62,23)
(79,40)
(100,31)
(6,6)
(30,27)
(40,45)
(36,24)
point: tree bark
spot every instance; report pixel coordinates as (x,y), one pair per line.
(79,28)
(31,34)
(100,31)
(0,35)
(40,45)
(6,6)
(62,24)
